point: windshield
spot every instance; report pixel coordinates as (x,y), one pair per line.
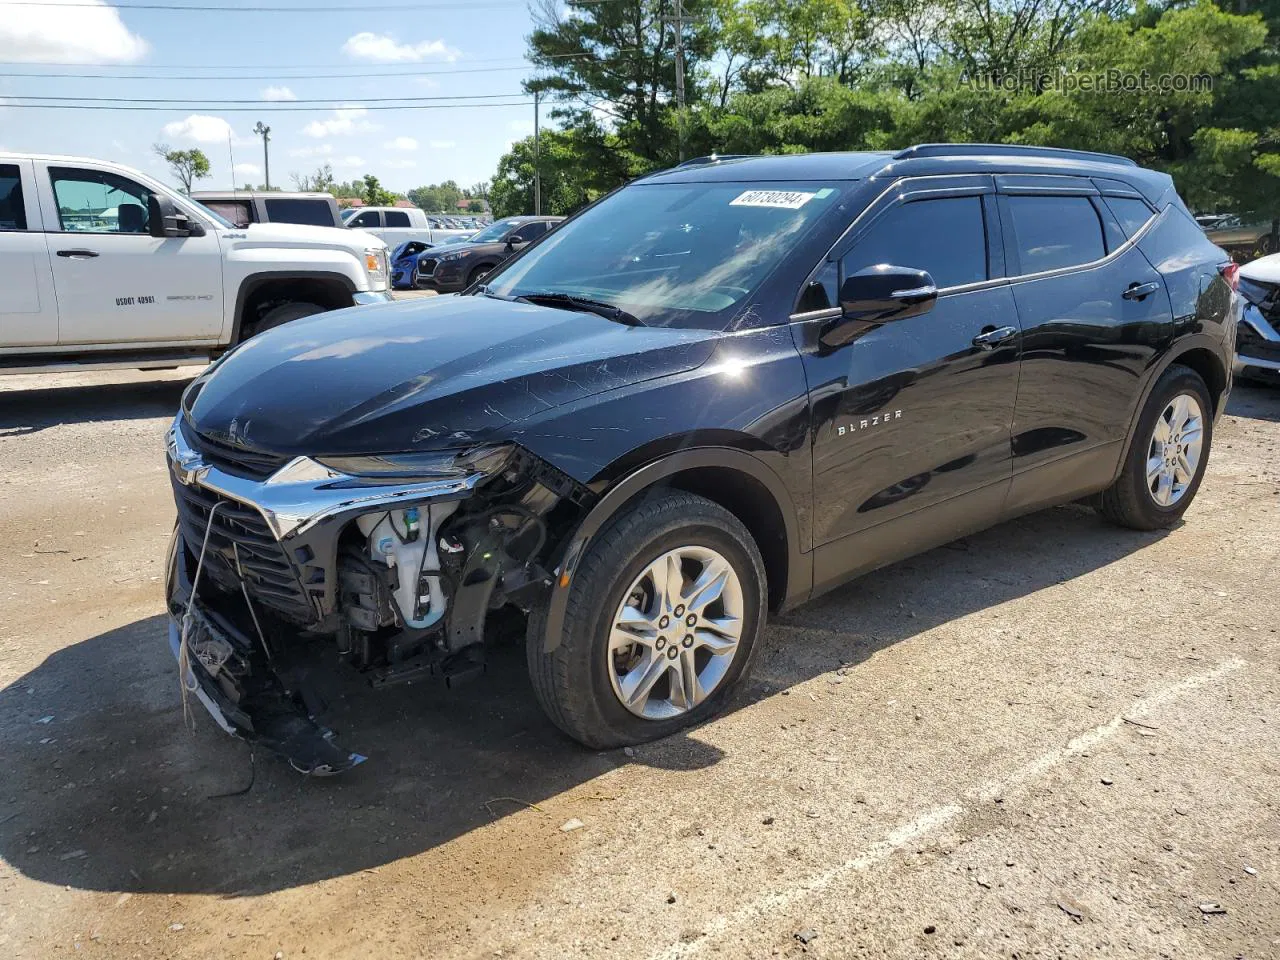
(493,233)
(217,218)
(679,254)
(348,213)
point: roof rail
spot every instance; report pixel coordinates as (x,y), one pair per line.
(1006,150)
(711,158)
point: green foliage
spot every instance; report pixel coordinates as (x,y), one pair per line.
(567,175)
(375,195)
(187,166)
(437,197)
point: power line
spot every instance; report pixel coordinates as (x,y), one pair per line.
(330,102)
(260,76)
(288,66)
(259,109)
(223,8)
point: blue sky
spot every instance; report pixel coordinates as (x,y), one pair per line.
(444,48)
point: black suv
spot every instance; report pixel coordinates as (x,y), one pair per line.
(719,391)
(458,264)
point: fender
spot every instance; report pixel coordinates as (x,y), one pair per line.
(1178,349)
(255,280)
(799,565)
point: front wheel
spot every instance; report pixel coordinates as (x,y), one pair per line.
(282,314)
(663,616)
(1167,456)
(478,274)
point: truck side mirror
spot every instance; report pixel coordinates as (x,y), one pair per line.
(164,219)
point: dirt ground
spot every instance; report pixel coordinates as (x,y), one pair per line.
(1054,739)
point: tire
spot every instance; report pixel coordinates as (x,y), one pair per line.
(479,273)
(1130,501)
(286,312)
(575,683)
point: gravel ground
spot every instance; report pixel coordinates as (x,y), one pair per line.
(1054,739)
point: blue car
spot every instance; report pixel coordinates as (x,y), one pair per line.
(404,264)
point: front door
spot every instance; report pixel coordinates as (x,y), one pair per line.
(117,283)
(914,414)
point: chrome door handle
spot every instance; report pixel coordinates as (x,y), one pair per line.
(993,336)
(78,254)
(1138,291)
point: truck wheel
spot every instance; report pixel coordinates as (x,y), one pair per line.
(283,314)
(1167,455)
(662,619)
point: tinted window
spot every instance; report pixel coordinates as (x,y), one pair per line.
(316,213)
(532,231)
(1053,232)
(946,237)
(94,201)
(13,214)
(1131,212)
(367,219)
(397,218)
(237,211)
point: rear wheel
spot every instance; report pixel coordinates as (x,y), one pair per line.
(1167,456)
(663,616)
(284,313)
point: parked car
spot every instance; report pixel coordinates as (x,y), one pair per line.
(454,266)
(1258,339)
(717,392)
(404,264)
(102,266)
(395,225)
(243,207)
(1233,234)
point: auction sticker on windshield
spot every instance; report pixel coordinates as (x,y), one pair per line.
(784,199)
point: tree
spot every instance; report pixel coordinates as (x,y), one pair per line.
(568,178)
(187,165)
(374,193)
(437,197)
(321,181)
(475,206)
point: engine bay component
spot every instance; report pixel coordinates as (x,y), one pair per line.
(405,542)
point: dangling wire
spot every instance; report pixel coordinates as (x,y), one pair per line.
(235,549)
(186,676)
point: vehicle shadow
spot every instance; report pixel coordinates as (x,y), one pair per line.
(106,789)
(29,411)
(1258,402)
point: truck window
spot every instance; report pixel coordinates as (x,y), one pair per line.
(237,212)
(13,214)
(369,218)
(397,218)
(315,213)
(95,201)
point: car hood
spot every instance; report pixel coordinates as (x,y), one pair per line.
(1264,269)
(299,235)
(422,375)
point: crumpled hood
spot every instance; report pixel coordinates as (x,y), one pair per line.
(1264,269)
(426,374)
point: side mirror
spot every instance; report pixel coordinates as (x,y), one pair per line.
(166,220)
(878,295)
(518,240)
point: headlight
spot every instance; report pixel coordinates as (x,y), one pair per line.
(456,255)
(439,465)
(375,262)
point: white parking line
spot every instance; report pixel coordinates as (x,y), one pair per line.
(936,817)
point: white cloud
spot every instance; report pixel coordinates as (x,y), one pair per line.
(442,144)
(278,93)
(319,150)
(91,32)
(349,161)
(401,164)
(119,147)
(345,120)
(381,48)
(248,169)
(401,143)
(201,128)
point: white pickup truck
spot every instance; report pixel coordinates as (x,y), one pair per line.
(102,266)
(395,225)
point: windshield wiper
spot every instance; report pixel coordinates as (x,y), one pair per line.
(552,298)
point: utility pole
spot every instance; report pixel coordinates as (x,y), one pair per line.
(264,132)
(537,158)
(677,22)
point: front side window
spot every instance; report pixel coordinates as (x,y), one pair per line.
(367,219)
(13,213)
(397,218)
(946,237)
(532,231)
(673,254)
(1055,232)
(96,201)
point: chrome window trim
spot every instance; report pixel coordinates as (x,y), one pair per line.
(1089,264)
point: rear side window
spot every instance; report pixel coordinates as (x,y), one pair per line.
(945,236)
(1132,213)
(1055,232)
(315,213)
(397,218)
(13,213)
(237,211)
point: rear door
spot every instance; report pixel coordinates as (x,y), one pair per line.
(1094,312)
(28,307)
(115,282)
(911,420)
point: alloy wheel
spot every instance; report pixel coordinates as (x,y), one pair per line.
(676,633)
(1175,449)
